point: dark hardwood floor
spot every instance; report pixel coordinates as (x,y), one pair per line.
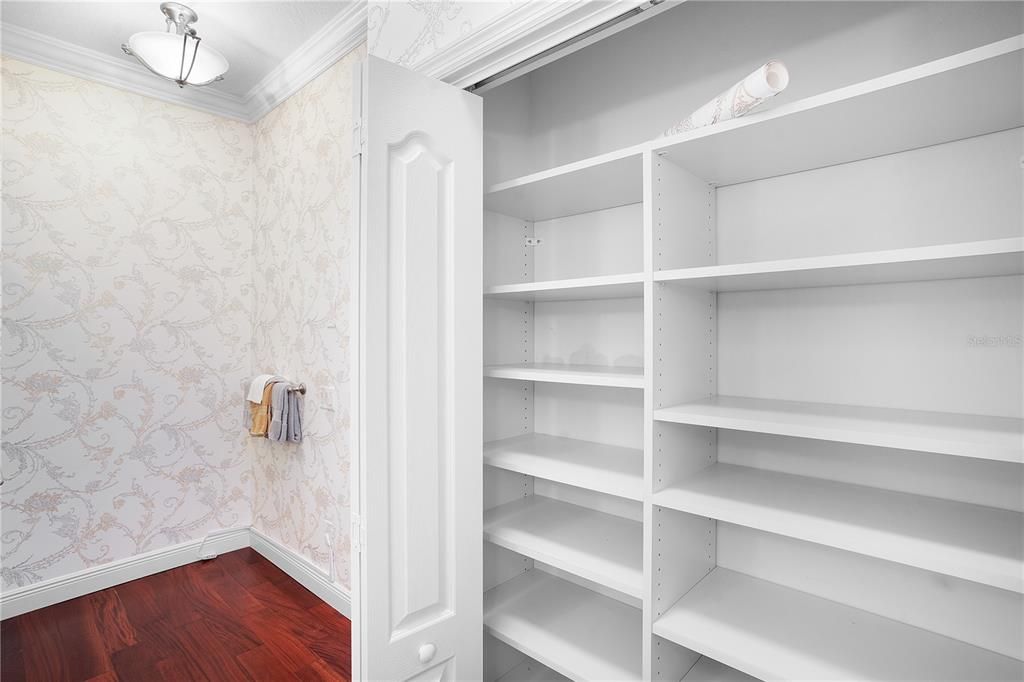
(236,617)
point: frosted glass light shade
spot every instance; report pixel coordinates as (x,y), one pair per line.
(161,53)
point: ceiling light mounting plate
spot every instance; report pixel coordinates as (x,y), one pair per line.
(178,14)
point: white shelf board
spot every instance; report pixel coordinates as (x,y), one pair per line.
(995,257)
(964,435)
(968,541)
(708,670)
(572,630)
(595,466)
(916,107)
(909,109)
(585,375)
(599,547)
(579,289)
(605,181)
(774,632)
(532,671)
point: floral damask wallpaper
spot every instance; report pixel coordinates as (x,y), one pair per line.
(409,31)
(301,281)
(127,307)
(155,258)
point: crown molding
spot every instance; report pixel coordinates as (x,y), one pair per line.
(337,38)
(342,34)
(58,55)
(523,32)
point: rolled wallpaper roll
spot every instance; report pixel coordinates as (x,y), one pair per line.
(767,81)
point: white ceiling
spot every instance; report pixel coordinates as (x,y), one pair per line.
(254,36)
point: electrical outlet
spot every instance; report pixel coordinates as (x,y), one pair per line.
(328,397)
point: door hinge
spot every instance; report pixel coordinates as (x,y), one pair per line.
(358,533)
(358,139)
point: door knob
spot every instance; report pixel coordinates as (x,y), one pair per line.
(427,652)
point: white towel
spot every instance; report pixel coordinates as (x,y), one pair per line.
(258,384)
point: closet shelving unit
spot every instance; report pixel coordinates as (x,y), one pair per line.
(641,526)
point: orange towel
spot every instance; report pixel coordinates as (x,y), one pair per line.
(261,412)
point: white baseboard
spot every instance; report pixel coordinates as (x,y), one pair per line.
(303,571)
(48,592)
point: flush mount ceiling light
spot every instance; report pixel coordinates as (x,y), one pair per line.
(178,56)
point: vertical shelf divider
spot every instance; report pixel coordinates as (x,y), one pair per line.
(682,356)
(648,655)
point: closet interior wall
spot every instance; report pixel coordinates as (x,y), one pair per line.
(631,87)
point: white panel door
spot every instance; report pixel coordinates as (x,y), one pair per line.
(419,590)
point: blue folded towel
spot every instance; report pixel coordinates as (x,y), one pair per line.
(285,415)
